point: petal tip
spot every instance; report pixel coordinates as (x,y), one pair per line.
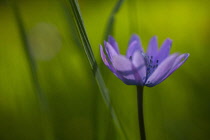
(105,43)
(135,36)
(155,36)
(169,41)
(101,47)
(110,37)
(186,56)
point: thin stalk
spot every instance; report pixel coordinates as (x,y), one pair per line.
(31,61)
(42,99)
(109,27)
(141,112)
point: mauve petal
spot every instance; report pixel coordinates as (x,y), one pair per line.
(180,60)
(133,38)
(123,66)
(128,81)
(134,45)
(153,47)
(161,70)
(125,70)
(113,43)
(110,50)
(139,63)
(164,50)
(103,56)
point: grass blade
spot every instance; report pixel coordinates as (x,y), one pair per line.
(110,23)
(74,10)
(44,108)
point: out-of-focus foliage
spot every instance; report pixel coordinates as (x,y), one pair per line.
(177,109)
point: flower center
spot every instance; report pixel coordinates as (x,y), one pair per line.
(151,65)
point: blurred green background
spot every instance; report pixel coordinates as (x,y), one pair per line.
(71,106)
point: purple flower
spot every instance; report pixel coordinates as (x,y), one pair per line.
(138,67)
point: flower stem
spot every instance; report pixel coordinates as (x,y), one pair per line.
(140,112)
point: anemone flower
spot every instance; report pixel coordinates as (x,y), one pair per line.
(138,67)
(141,68)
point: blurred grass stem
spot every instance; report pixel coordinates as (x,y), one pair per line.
(141,112)
(32,63)
(44,108)
(110,23)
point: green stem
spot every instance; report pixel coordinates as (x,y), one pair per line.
(42,99)
(111,20)
(141,112)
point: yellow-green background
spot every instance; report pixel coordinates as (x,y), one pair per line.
(177,109)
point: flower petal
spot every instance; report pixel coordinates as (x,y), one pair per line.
(139,63)
(164,51)
(134,45)
(180,60)
(153,47)
(125,70)
(113,43)
(103,56)
(161,70)
(110,50)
